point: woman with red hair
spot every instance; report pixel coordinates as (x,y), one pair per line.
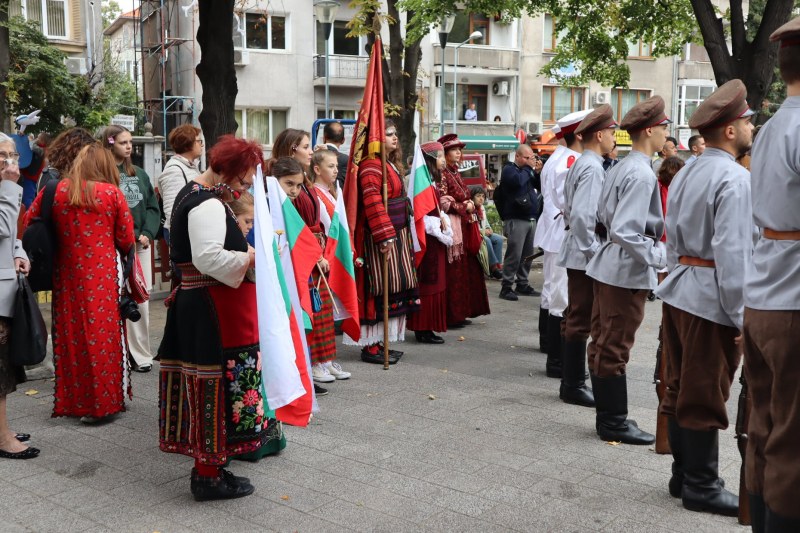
(211,400)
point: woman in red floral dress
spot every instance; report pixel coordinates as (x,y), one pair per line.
(92,223)
(466,288)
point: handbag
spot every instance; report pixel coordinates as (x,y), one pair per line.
(28,331)
(39,242)
(133,275)
(473,238)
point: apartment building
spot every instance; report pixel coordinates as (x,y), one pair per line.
(122,44)
(73,26)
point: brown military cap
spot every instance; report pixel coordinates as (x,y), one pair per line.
(725,105)
(600,119)
(788,34)
(645,115)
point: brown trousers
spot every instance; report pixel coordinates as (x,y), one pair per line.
(772,370)
(702,358)
(616,315)
(577,323)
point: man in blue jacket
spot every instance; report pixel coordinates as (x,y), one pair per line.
(519,211)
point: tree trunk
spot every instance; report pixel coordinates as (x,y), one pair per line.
(5,61)
(215,71)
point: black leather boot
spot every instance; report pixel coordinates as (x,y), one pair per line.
(611,402)
(776,523)
(674,437)
(544,314)
(221,487)
(573,375)
(554,346)
(758,513)
(702,490)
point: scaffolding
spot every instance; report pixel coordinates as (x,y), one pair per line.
(163,78)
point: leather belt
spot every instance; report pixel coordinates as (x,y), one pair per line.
(781,235)
(696,262)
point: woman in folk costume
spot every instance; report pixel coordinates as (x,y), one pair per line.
(466,288)
(211,392)
(380,232)
(432,314)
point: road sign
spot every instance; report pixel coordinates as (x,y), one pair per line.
(126,121)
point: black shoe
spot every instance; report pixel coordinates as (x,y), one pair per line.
(554,346)
(573,381)
(527,290)
(497,274)
(217,488)
(611,402)
(22,437)
(320,391)
(377,358)
(143,369)
(392,353)
(702,490)
(28,453)
(236,480)
(507,294)
(543,316)
(459,325)
(428,337)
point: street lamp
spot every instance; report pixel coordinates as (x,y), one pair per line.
(473,35)
(325,10)
(445,26)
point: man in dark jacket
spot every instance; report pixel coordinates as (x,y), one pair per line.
(333,138)
(519,211)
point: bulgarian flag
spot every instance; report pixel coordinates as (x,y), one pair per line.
(423,199)
(286,379)
(342,275)
(303,246)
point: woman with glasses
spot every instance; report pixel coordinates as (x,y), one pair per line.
(380,232)
(188,144)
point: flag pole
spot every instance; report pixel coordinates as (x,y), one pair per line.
(385,192)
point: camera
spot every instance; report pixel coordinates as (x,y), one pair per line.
(129,309)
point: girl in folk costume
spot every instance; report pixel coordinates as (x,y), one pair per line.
(210,394)
(466,288)
(432,314)
(381,232)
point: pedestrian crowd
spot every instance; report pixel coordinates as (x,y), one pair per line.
(715,241)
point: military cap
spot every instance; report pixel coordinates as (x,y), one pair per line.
(645,115)
(569,123)
(600,119)
(788,34)
(450,140)
(726,104)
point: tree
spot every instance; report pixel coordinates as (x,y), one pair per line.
(5,60)
(109,12)
(594,34)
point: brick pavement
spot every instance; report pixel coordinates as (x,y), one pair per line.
(468,436)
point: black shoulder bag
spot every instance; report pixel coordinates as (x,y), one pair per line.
(39,242)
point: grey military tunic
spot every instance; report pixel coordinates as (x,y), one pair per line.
(709,216)
(630,209)
(581,193)
(772,280)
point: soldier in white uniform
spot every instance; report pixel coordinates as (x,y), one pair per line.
(581,192)
(630,222)
(772,307)
(550,234)
(710,228)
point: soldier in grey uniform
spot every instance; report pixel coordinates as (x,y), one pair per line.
(581,191)
(630,222)
(772,307)
(710,240)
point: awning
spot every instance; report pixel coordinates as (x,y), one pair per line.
(487,144)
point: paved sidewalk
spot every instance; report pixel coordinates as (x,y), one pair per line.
(468,436)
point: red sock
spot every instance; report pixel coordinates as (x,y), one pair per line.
(206,470)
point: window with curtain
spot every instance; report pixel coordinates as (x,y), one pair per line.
(49,15)
(550,37)
(560,101)
(464,25)
(261,125)
(622,100)
(264,32)
(689,99)
(640,48)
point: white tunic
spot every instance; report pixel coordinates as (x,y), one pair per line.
(550,226)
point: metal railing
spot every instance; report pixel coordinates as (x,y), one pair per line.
(344,67)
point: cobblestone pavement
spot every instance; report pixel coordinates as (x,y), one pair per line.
(468,436)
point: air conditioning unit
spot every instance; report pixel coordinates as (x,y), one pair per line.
(241,58)
(76,65)
(602,97)
(500,88)
(533,127)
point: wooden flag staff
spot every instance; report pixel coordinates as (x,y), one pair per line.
(385,191)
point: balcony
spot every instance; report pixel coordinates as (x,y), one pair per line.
(345,71)
(478,57)
(473,128)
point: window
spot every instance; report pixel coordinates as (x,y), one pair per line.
(467,94)
(551,38)
(49,15)
(622,100)
(560,101)
(338,114)
(261,125)
(464,25)
(259,31)
(340,44)
(690,97)
(640,48)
